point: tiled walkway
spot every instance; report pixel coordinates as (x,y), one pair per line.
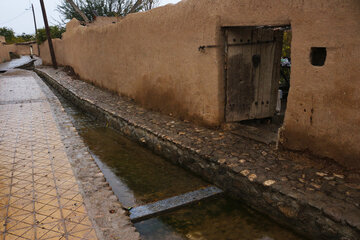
(39,196)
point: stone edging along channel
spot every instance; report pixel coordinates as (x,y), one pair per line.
(315,217)
(109,219)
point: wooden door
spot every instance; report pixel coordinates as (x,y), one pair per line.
(252,72)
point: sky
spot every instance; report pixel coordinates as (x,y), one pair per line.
(17,14)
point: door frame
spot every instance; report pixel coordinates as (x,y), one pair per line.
(225,53)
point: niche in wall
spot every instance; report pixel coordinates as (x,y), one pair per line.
(318,56)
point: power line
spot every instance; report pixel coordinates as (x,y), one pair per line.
(14,17)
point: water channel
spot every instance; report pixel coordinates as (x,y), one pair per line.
(142,177)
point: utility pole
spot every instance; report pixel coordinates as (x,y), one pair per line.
(51,47)
(36,32)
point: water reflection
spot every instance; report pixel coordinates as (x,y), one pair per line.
(141,176)
(148,176)
(214,219)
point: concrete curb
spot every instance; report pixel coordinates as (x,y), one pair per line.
(317,218)
(154,209)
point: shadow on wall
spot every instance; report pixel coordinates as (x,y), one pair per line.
(158,96)
(324,147)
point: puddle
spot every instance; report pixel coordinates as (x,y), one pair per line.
(141,177)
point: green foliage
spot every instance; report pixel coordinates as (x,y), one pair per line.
(10,37)
(8,33)
(25,38)
(286,51)
(106,8)
(55,32)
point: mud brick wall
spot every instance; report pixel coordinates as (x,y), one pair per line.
(4,52)
(25,49)
(154,58)
(19,49)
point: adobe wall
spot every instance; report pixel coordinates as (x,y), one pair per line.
(4,52)
(153,58)
(2,39)
(19,49)
(25,49)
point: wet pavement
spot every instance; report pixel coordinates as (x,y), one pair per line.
(313,196)
(15,63)
(39,195)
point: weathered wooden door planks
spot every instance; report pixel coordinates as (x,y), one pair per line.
(252,76)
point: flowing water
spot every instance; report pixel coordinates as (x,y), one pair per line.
(142,177)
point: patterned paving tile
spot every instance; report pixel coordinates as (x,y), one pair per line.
(39,195)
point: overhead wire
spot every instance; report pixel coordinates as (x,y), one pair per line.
(12,19)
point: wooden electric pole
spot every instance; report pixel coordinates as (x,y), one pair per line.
(36,31)
(51,47)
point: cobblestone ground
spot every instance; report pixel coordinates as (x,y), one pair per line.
(39,196)
(309,194)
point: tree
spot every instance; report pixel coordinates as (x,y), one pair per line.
(150,4)
(75,7)
(55,32)
(8,33)
(25,37)
(10,36)
(286,51)
(106,8)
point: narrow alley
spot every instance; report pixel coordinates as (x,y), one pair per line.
(179,120)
